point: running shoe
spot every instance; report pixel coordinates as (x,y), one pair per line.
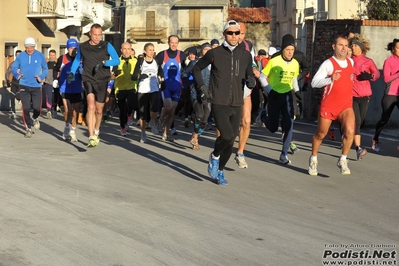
(294,149)
(28,133)
(110,114)
(36,124)
(97,138)
(375,145)
(240,160)
(195,144)
(127,127)
(123,132)
(331,134)
(167,137)
(92,143)
(143,138)
(13,115)
(284,159)
(187,122)
(312,167)
(213,167)
(160,123)
(173,131)
(72,136)
(130,120)
(258,120)
(49,115)
(343,166)
(221,180)
(360,152)
(153,126)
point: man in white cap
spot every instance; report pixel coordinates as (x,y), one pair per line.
(230,65)
(30,68)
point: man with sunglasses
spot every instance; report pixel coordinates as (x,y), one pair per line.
(231,64)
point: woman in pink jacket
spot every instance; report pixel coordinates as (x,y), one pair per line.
(365,71)
(391,96)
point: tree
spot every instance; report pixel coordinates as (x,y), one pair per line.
(383,9)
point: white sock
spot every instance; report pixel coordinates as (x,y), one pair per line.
(313,158)
(343,157)
(96,132)
(214,157)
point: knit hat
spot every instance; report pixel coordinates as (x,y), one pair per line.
(72,43)
(193,51)
(231,23)
(288,40)
(214,41)
(29,42)
(262,52)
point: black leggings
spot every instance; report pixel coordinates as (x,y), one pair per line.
(125,105)
(388,102)
(227,120)
(148,102)
(30,97)
(202,110)
(360,106)
(14,95)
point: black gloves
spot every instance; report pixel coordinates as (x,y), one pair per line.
(298,96)
(205,93)
(143,76)
(116,71)
(163,86)
(70,77)
(251,82)
(365,76)
(97,68)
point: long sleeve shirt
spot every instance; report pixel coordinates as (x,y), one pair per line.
(362,88)
(391,74)
(30,66)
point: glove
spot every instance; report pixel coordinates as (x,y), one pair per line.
(143,76)
(116,71)
(70,77)
(55,83)
(298,96)
(273,94)
(163,86)
(251,82)
(205,93)
(364,76)
(97,68)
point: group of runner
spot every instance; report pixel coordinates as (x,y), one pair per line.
(153,86)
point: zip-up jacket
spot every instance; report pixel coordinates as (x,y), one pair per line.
(124,80)
(30,66)
(229,72)
(391,75)
(362,88)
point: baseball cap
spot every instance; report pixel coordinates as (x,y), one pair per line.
(72,43)
(231,23)
(30,42)
(214,41)
(272,50)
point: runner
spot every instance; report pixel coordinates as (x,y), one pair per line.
(188,80)
(95,55)
(391,95)
(71,93)
(13,83)
(30,68)
(365,71)
(48,84)
(336,76)
(229,62)
(150,77)
(172,62)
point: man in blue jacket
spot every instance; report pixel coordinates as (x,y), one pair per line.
(30,68)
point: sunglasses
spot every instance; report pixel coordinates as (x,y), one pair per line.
(232,32)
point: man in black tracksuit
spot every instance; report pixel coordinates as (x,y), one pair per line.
(231,67)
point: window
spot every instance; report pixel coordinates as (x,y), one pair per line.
(63,49)
(260,3)
(45,49)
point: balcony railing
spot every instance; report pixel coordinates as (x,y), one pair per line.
(193,33)
(44,9)
(148,33)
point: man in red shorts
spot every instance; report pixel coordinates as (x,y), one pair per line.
(335,75)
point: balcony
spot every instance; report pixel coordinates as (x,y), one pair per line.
(193,33)
(45,9)
(148,33)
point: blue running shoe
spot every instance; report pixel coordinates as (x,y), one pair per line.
(221,180)
(213,167)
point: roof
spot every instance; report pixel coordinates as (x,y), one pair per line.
(203,3)
(255,14)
